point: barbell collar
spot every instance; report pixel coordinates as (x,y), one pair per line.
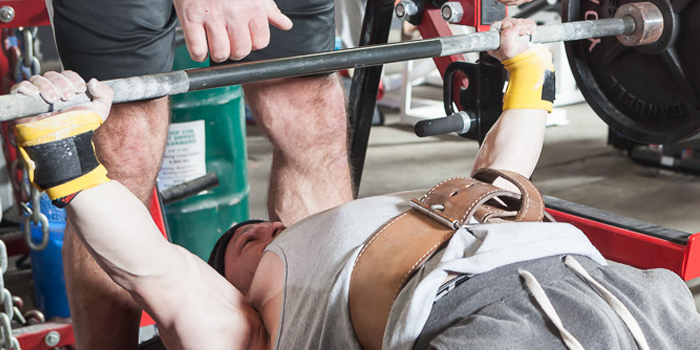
(648,20)
(152,86)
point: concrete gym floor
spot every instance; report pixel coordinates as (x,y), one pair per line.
(576,165)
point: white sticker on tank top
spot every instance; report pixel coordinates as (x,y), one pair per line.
(185,154)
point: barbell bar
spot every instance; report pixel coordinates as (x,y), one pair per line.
(638,26)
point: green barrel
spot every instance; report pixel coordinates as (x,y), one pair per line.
(207,134)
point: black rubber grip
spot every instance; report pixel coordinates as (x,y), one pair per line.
(439,126)
(189,188)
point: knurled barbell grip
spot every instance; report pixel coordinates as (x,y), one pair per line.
(490,40)
(14,106)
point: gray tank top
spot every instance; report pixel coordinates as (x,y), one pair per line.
(318,255)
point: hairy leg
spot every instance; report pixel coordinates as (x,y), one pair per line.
(131,144)
(305,120)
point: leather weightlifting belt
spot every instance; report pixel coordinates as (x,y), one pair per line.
(400,247)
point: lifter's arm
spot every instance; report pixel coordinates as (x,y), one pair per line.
(173,285)
(515,141)
(192,304)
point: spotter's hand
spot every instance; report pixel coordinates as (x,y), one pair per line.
(54,87)
(228,28)
(515,37)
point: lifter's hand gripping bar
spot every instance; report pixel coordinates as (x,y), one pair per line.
(146,87)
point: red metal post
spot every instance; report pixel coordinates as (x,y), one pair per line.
(156,211)
(691,261)
(27,13)
(433,26)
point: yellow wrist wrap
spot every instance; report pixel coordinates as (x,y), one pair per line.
(59,154)
(531,84)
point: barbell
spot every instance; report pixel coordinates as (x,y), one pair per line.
(634,24)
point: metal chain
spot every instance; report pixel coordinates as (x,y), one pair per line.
(3,262)
(26,66)
(28,44)
(36,217)
(8,307)
(21,188)
(28,61)
(36,205)
(8,340)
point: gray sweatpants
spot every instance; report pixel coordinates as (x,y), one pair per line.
(496,311)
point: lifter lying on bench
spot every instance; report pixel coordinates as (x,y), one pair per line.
(498,277)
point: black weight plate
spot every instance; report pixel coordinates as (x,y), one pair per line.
(651,93)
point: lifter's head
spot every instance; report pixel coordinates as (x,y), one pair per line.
(237,253)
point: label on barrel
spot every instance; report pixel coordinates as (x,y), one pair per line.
(185,154)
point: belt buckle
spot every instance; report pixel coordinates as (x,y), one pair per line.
(435,213)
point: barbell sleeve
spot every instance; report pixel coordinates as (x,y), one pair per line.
(583,30)
(146,87)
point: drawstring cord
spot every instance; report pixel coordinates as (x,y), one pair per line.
(620,309)
(569,340)
(542,299)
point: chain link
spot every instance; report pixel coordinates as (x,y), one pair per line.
(28,60)
(6,331)
(21,188)
(27,45)
(36,205)
(42,222)
(3,259)
(36,217)
(9,308)
(8,340)
(33,65)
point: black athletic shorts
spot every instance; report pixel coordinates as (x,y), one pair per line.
(109,39)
